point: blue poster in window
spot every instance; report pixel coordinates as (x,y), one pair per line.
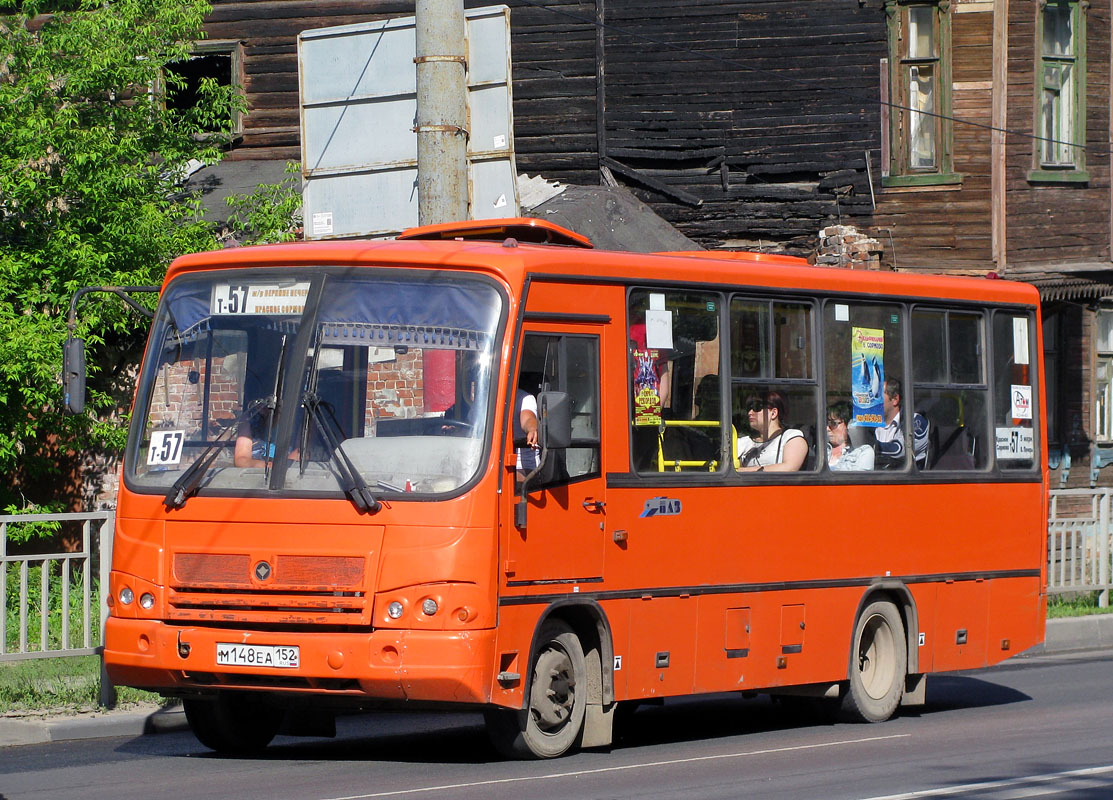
(867,364)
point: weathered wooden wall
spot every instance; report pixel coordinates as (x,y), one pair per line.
(936,228)
(760,108)
(763,109)
(1065,223)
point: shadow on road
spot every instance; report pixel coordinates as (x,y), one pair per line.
(459,738)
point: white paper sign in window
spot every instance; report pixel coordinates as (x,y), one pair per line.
(1020,340)
(1021,401)
(165,449)
(231,299)
(658,329)
(1015,443)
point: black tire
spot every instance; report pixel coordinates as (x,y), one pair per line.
(553,721)
(878,665)
(232,724)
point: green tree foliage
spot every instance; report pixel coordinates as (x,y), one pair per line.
(91,193)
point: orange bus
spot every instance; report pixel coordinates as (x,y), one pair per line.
(750,475)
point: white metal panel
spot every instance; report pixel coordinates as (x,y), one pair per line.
(358,105)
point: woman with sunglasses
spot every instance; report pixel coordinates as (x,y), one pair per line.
(771,447)
(840,454)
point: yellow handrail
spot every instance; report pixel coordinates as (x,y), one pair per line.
(676,465)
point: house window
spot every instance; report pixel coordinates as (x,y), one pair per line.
(1051,355)
(919,126)
(219,60)
(1060,93)
(1103,377)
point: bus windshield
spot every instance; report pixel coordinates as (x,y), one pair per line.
(310,381)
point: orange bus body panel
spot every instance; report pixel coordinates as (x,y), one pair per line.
(752,587)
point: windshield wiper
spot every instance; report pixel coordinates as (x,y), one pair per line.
(189,481)
(352,482)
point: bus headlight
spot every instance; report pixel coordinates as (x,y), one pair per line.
(126,596)
(147,600)
(394,610)
(429,606)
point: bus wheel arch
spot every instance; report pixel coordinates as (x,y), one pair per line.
(569,637)
(897,593)
(878,665)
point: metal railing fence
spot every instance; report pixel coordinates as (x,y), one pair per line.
(55,603)
(1078,542)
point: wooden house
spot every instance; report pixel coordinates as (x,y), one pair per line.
(966,136)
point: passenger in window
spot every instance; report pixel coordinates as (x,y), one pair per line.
(525,429)
(771,447)
(890,437)
(252,448)
(841,454)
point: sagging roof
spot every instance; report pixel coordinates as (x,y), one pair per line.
(1066,283)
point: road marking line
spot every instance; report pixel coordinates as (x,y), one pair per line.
(625,767)
(1001,784)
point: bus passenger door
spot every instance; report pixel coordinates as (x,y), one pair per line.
(563,538)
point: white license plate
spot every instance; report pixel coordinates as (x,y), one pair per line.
(257,655)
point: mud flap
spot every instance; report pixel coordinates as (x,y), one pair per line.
(915,690)
(598,725)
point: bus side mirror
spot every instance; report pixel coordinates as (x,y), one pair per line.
(554,432)
(73,375)
(555,417)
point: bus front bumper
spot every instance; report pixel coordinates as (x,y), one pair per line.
(437,666)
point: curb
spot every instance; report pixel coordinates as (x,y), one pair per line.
(1075,634)
(1064,635)
(97,725)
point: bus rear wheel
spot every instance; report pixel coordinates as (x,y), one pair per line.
(553,721)
(878,665)
(232,723)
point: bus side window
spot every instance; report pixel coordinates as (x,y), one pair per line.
(864,365)
(1014,391)
(773,382)
(677,423)
(570,364)
(950,392)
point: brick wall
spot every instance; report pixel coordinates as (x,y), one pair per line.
(843,246)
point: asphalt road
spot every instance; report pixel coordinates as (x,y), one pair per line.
(1039,726)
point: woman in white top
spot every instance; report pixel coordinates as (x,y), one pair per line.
(840,454)
(771,447)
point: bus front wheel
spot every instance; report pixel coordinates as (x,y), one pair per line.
(232,723)
(878,665)
(553,721)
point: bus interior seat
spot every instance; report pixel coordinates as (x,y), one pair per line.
(954,447)
(810,441)
(950,443)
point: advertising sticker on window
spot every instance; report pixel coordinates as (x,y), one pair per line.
(647,384)
(867,364)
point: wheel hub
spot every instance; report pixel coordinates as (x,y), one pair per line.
(554,690)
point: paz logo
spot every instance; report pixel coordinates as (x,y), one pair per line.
(661,507)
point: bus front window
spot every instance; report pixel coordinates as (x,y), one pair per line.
(382,381)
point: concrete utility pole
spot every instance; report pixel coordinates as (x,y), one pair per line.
(442,136)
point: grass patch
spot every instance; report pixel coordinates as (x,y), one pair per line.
(59,685)
(1079,604)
